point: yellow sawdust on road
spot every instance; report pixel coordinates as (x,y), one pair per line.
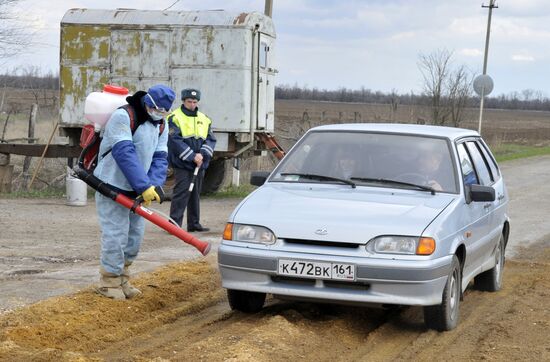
(87,322)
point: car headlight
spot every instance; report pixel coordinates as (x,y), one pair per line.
(409,245)
(248,233)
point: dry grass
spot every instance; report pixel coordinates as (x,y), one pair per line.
(292,119)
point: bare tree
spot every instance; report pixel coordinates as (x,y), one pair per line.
(394,102)
(14,36)
(31,79)
(447,89)
(435,70)
(459,87)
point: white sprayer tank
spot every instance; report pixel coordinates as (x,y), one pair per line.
(99,105)
(98,109)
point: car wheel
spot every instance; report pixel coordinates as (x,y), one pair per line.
(248,302)
(491,280)
(444,317)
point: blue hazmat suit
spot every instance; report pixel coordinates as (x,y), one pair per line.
(130,164)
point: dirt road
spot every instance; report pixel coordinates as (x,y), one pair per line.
(184,316)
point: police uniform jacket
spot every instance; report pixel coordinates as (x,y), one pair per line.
(190,132)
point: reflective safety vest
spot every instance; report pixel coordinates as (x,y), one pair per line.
(196,127)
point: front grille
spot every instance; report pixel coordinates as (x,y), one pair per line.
(337,284)
(340,284)
(323,243)
(293,281)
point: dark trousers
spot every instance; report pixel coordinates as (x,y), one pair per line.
(182,198)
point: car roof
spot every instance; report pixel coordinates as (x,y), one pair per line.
(451,133)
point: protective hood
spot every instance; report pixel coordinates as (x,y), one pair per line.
(136,102)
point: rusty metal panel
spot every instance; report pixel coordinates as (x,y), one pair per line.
(210,46)
(155,54)
(84,63)
(86,45)
(125,55)
(76,83)
(156,18)
(226,95)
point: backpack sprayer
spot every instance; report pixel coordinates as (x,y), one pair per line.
(111,98)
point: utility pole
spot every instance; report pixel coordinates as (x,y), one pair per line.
(268,8)
(491,6)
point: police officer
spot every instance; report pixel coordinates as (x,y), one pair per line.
(190,146)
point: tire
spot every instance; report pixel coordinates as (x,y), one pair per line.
(491,280)
(213,178)
(168,186)
(444,317)
(248,302)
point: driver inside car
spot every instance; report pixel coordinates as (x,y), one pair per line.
(429,165)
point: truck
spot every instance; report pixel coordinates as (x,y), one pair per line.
(230,57)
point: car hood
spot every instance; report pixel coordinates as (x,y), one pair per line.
(339,213)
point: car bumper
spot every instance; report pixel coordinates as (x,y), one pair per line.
(378,281)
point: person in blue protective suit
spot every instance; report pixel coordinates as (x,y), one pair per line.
(190,145)
(134,164)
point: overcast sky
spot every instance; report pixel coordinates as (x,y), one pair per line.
(354,43)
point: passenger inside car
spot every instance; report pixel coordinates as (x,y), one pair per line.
(345,165)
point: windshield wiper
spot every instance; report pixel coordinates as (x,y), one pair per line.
(388,181)
(319,177)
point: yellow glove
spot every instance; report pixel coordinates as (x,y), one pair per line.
(150,195)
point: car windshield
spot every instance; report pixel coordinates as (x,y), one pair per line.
(373,159)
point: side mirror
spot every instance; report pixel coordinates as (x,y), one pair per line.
(258,178)
(481,193)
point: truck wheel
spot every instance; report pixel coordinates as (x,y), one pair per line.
(444,317)
(491,280)
(213,178)
(168,186)
(248,302)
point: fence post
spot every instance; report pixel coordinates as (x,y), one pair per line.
(6,172)
(27,161)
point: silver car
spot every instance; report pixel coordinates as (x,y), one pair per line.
(372,214)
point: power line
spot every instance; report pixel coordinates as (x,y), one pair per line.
(174,3)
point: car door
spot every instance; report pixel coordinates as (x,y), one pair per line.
(501,194)
(491,234)
(474,218)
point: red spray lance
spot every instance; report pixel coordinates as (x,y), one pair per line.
(136,208)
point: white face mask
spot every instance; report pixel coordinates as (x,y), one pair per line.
(155,115)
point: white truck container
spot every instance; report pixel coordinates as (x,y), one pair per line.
(229,57)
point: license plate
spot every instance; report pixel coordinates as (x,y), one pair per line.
(316,270)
